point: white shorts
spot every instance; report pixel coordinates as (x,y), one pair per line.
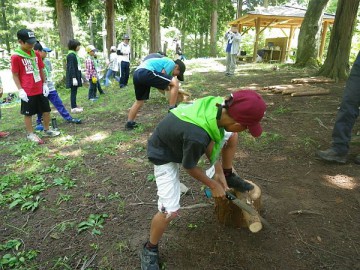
(168,185)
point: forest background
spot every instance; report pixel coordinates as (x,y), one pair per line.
(153,26)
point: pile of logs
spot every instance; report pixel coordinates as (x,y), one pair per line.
(302,87)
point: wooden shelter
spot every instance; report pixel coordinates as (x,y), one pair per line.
(282,17)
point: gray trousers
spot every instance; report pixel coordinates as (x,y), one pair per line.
(230,63)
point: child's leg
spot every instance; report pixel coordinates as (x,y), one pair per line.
(59,105)
(228,151)
(46,119)
(159,224)
(134,109)
(168,185)
(92,90)
(28,124)
(39,118)
(73,95)
(99,88)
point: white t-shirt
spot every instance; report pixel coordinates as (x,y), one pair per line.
(125,50)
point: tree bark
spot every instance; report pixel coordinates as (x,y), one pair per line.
(213,30)
(64,21)
(336,65)
(309,36)
(110,24)
(266,3)
(154,25)
(5,25)
(239,8)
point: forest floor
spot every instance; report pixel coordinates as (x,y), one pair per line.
(98,172)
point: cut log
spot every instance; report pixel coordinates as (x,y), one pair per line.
(312,80)
(182,95)
(231,215)
(301,88)
(311,93)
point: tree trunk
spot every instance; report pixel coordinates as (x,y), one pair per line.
(336,65)
(239,8)
(91,30)
(266,3)
(154,25)
(110,24)
(213,30)
(5,25)
(200,52)
(309,36)
(64,21)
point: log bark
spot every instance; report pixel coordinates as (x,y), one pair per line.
(312,80)
(302,88)
(311,93)
(231,215)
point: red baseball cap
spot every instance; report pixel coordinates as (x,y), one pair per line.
(247,108)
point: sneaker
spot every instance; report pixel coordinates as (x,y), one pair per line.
(102,93)
(331,155)
(4,134)
(122,85)
(51,133)
(39,127)
(234,181)
(149,259)
(93,99)
(357,159)
(74,121)
(34,138)
(77,110)
(131,125)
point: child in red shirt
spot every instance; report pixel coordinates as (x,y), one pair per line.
(27,69)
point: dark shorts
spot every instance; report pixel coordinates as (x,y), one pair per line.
(36,104)
(144,79)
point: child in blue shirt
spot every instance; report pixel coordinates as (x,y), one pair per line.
(162,73)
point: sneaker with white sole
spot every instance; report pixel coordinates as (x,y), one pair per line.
(51,133)
(34,138)
(149,259)
(77,110)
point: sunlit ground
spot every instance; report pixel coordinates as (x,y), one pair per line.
(341,181)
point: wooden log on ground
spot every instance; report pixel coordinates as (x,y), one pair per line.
(312,80)
(311,93)
(300,88)
(231,215)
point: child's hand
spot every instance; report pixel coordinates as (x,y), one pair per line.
(220,178)
(217,190)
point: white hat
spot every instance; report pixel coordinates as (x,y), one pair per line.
(113,48)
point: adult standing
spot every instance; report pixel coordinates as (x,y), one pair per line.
(73,73)
(233,38)
(123,52)
(345,119)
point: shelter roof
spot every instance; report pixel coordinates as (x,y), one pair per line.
(277,17)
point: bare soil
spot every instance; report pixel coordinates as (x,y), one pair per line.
(313,207)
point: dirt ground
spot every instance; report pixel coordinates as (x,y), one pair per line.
(312,206)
